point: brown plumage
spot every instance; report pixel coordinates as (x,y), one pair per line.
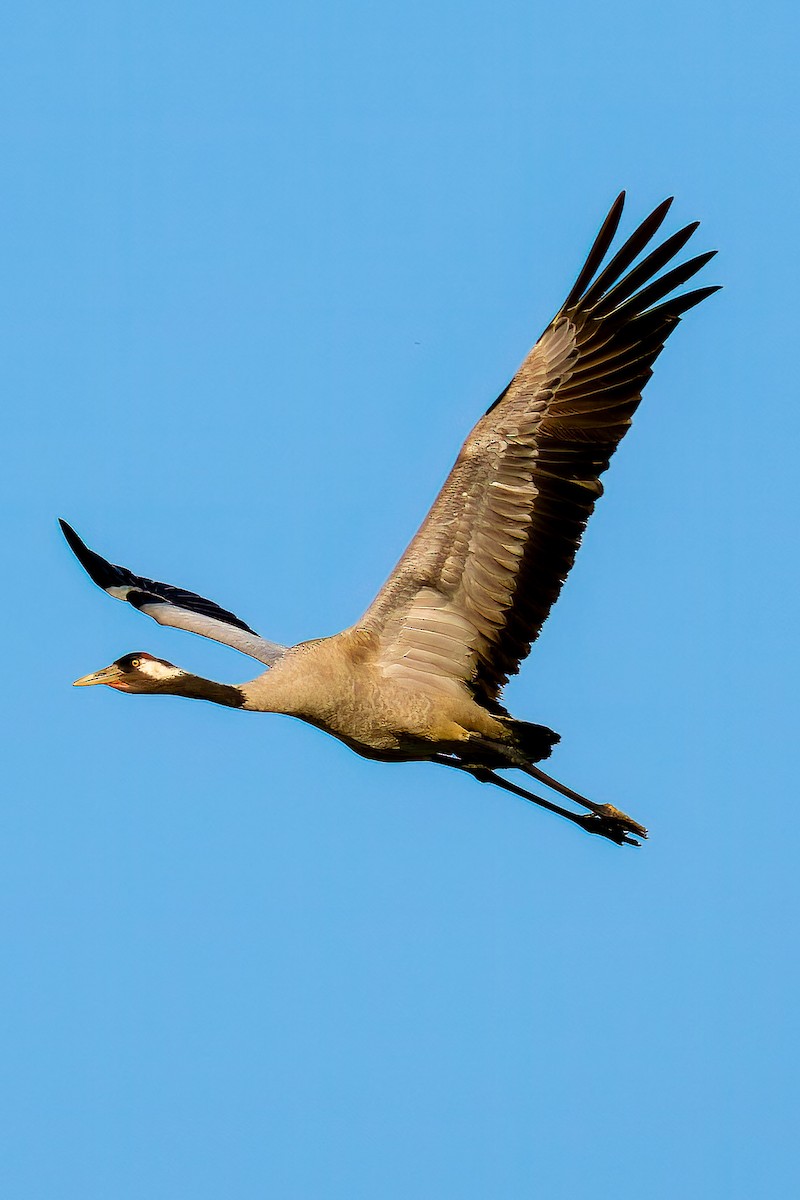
(420,675)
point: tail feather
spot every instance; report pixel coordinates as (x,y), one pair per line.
(536,742)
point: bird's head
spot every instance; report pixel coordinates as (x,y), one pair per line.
(138,672)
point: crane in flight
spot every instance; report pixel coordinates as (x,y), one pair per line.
(419,676)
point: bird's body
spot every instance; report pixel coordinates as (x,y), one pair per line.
(339,685)
(419,676)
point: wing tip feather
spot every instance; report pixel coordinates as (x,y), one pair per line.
(600,248)
(99,570)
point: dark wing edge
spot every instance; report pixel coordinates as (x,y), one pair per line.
(620,330)
(170,605)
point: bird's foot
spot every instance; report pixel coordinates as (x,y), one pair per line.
(610,823)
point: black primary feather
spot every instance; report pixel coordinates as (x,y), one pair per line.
(144,591)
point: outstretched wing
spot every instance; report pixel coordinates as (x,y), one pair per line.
(171,605)
(473,589)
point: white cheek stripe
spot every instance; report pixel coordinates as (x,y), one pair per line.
(158,670)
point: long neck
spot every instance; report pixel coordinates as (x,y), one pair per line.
(195,687)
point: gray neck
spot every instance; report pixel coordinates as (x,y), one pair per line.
(195,687)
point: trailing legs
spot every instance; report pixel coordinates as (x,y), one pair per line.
(602,819)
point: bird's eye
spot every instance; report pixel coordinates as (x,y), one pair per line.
(136,662)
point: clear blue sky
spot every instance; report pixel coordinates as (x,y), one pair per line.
(263,266)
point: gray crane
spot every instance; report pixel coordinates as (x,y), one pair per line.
(419,676)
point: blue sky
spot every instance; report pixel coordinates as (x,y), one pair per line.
(263,267)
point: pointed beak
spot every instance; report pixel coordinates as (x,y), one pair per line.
(110,675)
